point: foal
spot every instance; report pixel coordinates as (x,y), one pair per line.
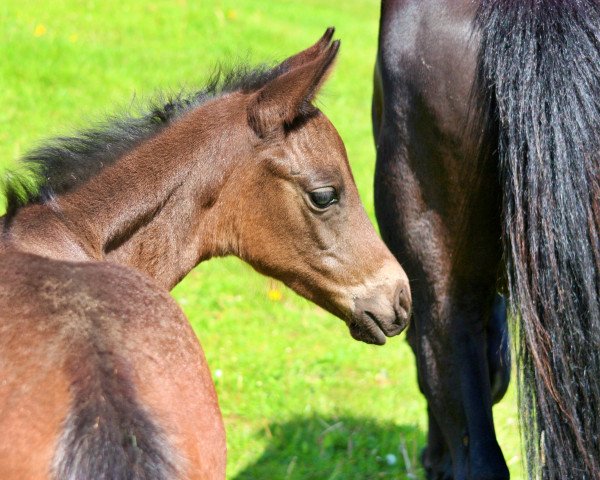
(101,375)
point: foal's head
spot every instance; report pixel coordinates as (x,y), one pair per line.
(298,214)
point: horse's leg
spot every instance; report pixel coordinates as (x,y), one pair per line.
(453,285)
(485,460)
(438,211)
(449,330)
(454,376)
(436,456)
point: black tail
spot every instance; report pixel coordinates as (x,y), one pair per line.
(539,86)
(107,435)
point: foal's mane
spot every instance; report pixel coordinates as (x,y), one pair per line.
(63,163)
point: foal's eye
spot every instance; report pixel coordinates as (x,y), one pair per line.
(323,197)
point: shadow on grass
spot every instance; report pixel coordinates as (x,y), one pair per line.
(344,448)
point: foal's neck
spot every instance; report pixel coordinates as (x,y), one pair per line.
(155,209)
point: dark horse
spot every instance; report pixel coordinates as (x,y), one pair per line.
(487,125)
(101,377)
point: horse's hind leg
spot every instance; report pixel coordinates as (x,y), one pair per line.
(449,331)
(454,376)
(436,458)
(438,210)
(453,285)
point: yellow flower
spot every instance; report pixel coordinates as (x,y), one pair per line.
(73,37)
(39,30)
(231,14)
(274,295)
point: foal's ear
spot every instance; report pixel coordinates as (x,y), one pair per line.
(287,96)
(307,55)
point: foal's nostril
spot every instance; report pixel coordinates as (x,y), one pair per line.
(403,306)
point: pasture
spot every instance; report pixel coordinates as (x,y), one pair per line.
(300,398)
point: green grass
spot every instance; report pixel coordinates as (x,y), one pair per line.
(300,398)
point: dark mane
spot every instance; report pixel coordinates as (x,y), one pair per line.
(63,163)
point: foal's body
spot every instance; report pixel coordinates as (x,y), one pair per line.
(102,376)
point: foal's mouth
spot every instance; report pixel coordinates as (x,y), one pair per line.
(368,328)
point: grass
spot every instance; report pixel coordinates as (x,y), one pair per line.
(300,398)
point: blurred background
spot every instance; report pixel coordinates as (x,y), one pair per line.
(300,398)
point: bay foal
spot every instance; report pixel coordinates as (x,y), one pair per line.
(101,376)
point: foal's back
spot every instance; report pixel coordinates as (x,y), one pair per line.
(100,396)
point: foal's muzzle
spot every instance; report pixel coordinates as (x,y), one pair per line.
(379,317)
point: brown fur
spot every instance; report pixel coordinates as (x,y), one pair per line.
(85,278)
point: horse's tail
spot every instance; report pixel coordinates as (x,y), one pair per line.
(107,435)
(538,83)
